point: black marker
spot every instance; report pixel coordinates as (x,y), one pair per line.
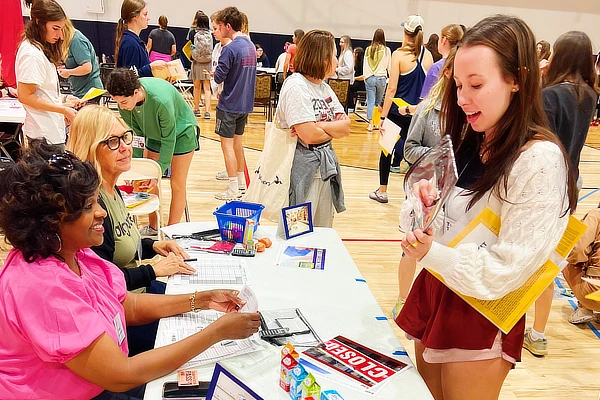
(190,259)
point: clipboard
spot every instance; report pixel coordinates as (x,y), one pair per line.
(299,333)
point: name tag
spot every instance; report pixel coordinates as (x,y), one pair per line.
(139,142)
(119,328)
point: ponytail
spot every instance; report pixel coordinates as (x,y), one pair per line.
(121,27)
(416,45)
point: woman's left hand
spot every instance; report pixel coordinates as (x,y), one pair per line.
(164,247)
(417,243)
(224,300)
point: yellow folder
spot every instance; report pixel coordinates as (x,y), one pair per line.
(187,50)
(92,94)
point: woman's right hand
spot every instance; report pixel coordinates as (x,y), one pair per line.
(170,265)
(70,114)
(237,325)
(158,65)
(426,192)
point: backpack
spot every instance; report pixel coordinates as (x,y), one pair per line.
(202,50)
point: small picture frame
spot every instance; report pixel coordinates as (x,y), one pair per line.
(297,220)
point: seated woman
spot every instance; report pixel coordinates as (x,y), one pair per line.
(155,110)
(584,262)
(99,137)
(63,309)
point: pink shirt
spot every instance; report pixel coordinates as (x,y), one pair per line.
(48,315)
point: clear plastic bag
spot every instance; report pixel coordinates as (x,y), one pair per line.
(438,167)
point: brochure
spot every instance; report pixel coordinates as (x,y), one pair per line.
(92,94)
(362,367)
(302,257)
(174,70)
(390,132)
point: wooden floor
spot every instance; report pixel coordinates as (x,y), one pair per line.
(571,369)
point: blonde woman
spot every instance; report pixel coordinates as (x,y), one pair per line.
(451,36)
(99,137)
(376,67)
(345,68)
(44,47)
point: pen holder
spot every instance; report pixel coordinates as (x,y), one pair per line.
(232,217)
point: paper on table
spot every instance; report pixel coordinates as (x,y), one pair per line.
(249,297)
(389,136)
(92,94)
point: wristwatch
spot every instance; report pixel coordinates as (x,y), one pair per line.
(407,110)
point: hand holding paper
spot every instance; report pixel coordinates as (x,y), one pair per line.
(247,295)
(224,300)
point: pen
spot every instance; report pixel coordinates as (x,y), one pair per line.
(190,259)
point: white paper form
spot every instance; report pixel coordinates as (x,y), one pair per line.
(215,271)
(181,326)
(390,136)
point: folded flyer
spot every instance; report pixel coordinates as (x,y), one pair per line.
(302,257)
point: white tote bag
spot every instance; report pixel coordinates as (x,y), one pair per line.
(270,180)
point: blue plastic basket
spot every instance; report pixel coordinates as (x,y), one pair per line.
(232,218)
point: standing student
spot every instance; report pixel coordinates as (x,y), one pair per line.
(358,83)
(408,68)
(543,52)
(311,110)
(432,46)
(237,71)
(376,66)
(161,43)
(201,38)
(288,68)
(570,95)
(156,112)
(423,134)
(81,66)
(221,41)
(130,50)
(511,163)
(5,89)
(42,50)
(345,68)
(451,35)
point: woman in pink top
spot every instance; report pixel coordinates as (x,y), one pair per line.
(63,310)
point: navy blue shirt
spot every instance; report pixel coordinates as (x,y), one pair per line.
(133,53)
(237,71)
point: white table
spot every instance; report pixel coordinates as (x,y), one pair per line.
(11,111)
(335,301)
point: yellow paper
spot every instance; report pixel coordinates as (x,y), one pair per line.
(187,50)
(92,94)
(508,310)
(376,116)
(137,203)
(594,296)
(400,102)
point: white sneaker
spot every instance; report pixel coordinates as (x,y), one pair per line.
(581,316)
(148,231)
(222,176)
(229,195)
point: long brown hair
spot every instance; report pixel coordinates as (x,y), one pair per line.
(545,52)
(524,120)
(378,41)
(573,61)
(415,43)
(42,12)
(129,10)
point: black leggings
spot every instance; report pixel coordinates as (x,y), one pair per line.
(385,162)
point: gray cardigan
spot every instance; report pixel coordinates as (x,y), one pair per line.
(423,133)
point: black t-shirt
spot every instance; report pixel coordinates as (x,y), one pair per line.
(162,41)
(569,118)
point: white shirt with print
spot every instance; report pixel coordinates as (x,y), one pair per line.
(33,67)
(303,101)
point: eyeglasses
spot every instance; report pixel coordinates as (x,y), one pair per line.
(113,142)
(63,161)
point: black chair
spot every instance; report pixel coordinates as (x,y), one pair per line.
(11,140)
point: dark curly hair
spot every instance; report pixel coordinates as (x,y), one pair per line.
(122,82)
(37,198)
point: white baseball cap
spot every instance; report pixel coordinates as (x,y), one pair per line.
(412,23)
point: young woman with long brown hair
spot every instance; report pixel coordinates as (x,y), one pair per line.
(376,68)
(510,162)
(409,66)
(42,50)
(130,50)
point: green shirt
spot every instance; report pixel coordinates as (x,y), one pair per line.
(80,52)
(127,236)
(164,116)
